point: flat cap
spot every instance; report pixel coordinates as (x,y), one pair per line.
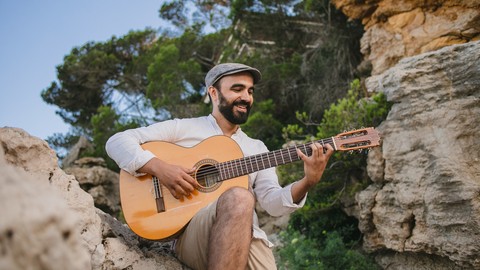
(221,70)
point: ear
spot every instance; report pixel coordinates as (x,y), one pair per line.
(213,93)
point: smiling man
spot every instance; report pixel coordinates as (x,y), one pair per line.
(224,234)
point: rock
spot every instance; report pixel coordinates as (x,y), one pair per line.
(74,154)
(395,29)
(425,200)
(100,182)
(37,229)
(51,223)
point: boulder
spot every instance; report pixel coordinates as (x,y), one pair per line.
(51,223)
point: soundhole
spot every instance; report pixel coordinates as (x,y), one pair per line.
(207,176)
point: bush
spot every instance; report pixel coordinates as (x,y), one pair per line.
(344,176)
(331,254)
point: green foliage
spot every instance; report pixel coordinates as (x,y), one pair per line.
(345,176)
(106,123)
(185,14)
(301,252)
(353,112)
(90,74)
(262,124)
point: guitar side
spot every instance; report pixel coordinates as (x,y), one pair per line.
(137,193)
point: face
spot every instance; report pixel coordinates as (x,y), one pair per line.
(235,97)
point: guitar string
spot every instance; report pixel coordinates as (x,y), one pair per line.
(270,156)
(290,152)
(231,165)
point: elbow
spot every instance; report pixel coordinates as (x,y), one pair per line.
(110,144)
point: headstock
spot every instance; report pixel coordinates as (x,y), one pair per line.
(357,139)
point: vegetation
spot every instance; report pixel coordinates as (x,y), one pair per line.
(322,223)
(308,53)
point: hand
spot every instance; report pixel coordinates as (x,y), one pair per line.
(176,179)
(314,166)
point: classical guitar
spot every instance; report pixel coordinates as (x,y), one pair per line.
(153,213)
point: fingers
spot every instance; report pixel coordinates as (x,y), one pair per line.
(319,152)
(181,184)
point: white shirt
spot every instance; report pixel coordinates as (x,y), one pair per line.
(124,148)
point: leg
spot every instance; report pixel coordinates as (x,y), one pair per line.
(231,233)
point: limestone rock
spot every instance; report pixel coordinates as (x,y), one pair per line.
(395,29)
(100,182)
(51,223)
(426,196)
(37,228)
(73,155)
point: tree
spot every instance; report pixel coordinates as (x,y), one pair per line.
(92,74)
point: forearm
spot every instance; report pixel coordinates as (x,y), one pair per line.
(300,189)
(152,167)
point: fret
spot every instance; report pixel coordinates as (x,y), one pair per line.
(220,170)
(289,155)
(241,167)
(269,163)
(263,163)
(251,164)
(275,156)
(229,169)
(305,148)
(283,160)
(236,168)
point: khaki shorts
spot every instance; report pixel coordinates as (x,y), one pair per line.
(192,245)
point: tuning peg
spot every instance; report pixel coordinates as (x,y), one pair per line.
(350,152)
(360,151)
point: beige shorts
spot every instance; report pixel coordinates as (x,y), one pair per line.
(192,245)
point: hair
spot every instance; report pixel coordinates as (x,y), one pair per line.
(216,85)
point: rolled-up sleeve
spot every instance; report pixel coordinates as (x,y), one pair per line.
(125,147)
(276,200)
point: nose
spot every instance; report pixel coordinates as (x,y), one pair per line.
(246,96)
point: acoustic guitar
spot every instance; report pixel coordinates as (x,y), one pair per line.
(153,213)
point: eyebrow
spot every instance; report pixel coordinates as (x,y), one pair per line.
(241,85)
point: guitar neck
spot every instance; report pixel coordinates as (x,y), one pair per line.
(243,166)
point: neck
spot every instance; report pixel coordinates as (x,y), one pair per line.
(226,126)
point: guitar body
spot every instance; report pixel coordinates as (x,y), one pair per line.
(137,194)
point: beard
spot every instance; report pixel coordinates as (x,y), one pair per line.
(227,110)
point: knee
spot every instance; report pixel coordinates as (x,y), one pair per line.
(237,199)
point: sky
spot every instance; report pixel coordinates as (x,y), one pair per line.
(35,37)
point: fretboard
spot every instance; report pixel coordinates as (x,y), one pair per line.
(246,165)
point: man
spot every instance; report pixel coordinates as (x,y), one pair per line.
(225,234)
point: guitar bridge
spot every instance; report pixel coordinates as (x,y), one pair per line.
(158,195)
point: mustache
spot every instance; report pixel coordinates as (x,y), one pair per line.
(242,102)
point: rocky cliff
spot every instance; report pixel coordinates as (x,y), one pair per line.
(395,29)
(424,204)
(423,209)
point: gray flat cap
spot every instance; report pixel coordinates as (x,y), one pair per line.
(225,69)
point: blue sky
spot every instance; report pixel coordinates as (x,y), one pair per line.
(36,35)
